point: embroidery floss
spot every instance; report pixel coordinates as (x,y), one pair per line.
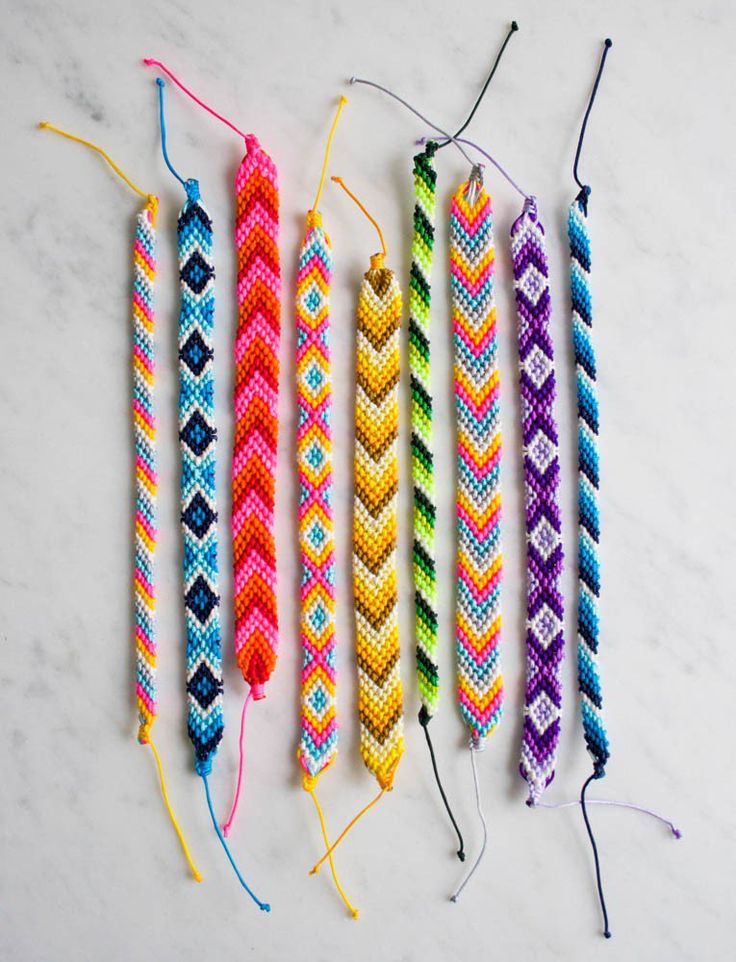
(478,497)
(255,405)
(424,565)
(380,700)
(318,744)
(144,431)
(425,592)
(545,642)
(256,422)
(589,685)
(198,436)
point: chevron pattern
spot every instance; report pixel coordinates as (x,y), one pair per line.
(544,557)
(144,431)
(422,457)
(318,744)
(256,415)
(198,437)
(478,500)
(380,700)
(589,682)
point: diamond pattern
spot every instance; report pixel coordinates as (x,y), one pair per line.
(537,366)
(203,686)
(198,516)
(544,538)
(541,451)
(196,353)
(545,625)
(533,284)
(197,434)
(197,273)
(201,599)
(543,712)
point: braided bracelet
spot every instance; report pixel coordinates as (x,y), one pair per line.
(318,743)
(478,496)
(197,439)
(380,699)
(544,557)
(146,481)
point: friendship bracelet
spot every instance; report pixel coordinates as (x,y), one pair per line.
(146,480)
(545,642)
(318,745)
(380,699)
(425,592)
(478,494)
(255,404)
(198,437)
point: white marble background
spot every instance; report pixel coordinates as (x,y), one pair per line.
(89,867)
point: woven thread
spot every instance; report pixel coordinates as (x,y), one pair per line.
(588,586)
(318,744)
(256,416)
(544,556)
(380,701)
(146,481)
(478,500)
(198,437)
(422,457)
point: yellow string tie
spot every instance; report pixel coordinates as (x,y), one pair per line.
(310,787)
(45,125)
(328,148)
(182,841)
(354,821)
(351,195)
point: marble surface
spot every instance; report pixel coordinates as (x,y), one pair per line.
(89,867)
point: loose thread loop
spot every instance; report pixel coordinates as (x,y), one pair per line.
(310,784)
(474,749)
(595,774)
(351,195)
(315,868)
(328,148)
(164,150)
(484,153)
(264,906)
(424,720)
(512,30)
(405,103)
(45,125)
(150,62)
(614,803)
(231,817)
(606,47)
(145,739)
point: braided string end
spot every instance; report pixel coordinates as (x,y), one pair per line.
(351,824)
(263,906)
(310,786)
(318,743)
(476,746)
(227,825)
(145,739)
(424,720)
